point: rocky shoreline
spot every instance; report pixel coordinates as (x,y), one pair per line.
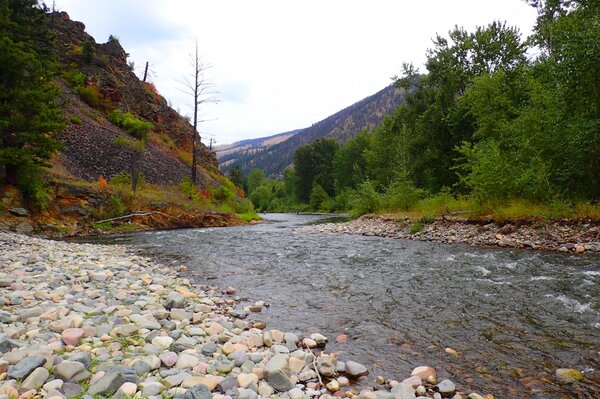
(562,236)
(86,321)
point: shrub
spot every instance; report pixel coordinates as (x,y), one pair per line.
(88,51)
(243,206)
(365,200)
(402,195)
(317,197)
(223,193)
(121,178)
(130,123)
(74,79)
(33,187)
(116,207)
(91,96)
(74,119)
(188,187)
(415,228)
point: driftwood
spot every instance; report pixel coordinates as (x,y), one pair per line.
(138,213)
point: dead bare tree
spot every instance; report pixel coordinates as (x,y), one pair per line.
(201,90)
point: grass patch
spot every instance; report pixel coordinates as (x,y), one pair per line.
(415,228)
(428,209)
(249,216)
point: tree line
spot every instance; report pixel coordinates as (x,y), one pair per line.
(496,117)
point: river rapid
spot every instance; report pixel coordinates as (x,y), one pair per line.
(512,317)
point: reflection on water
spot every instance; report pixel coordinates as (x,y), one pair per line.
(513,316)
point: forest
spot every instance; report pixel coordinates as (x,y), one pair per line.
(496,121)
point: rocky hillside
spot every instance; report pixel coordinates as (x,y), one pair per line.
(97,79)
(341,126)
(228,154)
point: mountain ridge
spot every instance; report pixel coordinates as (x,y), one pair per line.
(342,126)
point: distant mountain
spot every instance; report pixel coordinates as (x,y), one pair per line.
(228,154)
(342,126)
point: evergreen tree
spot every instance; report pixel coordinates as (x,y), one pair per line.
(29,116)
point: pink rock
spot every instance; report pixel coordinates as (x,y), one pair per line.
(72,335)
(415,381)
(168,358)
(200,368)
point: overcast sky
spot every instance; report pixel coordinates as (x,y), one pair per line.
(280,65)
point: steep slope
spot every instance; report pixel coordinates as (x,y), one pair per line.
(341,126)
(230,153)
(97,79)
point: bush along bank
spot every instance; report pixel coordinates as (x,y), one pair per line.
(89,321)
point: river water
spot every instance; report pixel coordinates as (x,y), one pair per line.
(513,316)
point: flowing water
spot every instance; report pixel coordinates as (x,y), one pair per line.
(513,316)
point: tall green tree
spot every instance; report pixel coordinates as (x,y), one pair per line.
(237,177)
(29,116)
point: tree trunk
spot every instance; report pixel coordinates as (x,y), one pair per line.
(145,72)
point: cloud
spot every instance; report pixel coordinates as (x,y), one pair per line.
(282,65)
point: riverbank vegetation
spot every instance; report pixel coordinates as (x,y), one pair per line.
(78,132)
(498,126)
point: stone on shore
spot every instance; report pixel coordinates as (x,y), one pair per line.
(69,371)
(36,379)
(107,385)
(355,370)
(22,369)
(198,391)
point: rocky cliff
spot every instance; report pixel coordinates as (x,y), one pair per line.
(96,79)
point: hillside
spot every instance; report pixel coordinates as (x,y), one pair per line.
(97,79)
(228,154)
(342,126)
(87,147)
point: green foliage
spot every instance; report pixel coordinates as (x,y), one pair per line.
(122,178)
(366,200)
(188,187)
(76,120)
(255,178)
(237,177)
(33,187)
(29,115)
(318,197)
(130,123)
(137,146)
(313,164)
(402,195)
(350,163)
(223,193)
(88,51)
(261,198)
(248,216)
(244,205)
(91,96)
(415,228)
(116,207)
(74,79)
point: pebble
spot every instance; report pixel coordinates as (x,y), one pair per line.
(446,387)
(355,370)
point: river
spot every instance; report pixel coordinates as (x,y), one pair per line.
(513,316)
